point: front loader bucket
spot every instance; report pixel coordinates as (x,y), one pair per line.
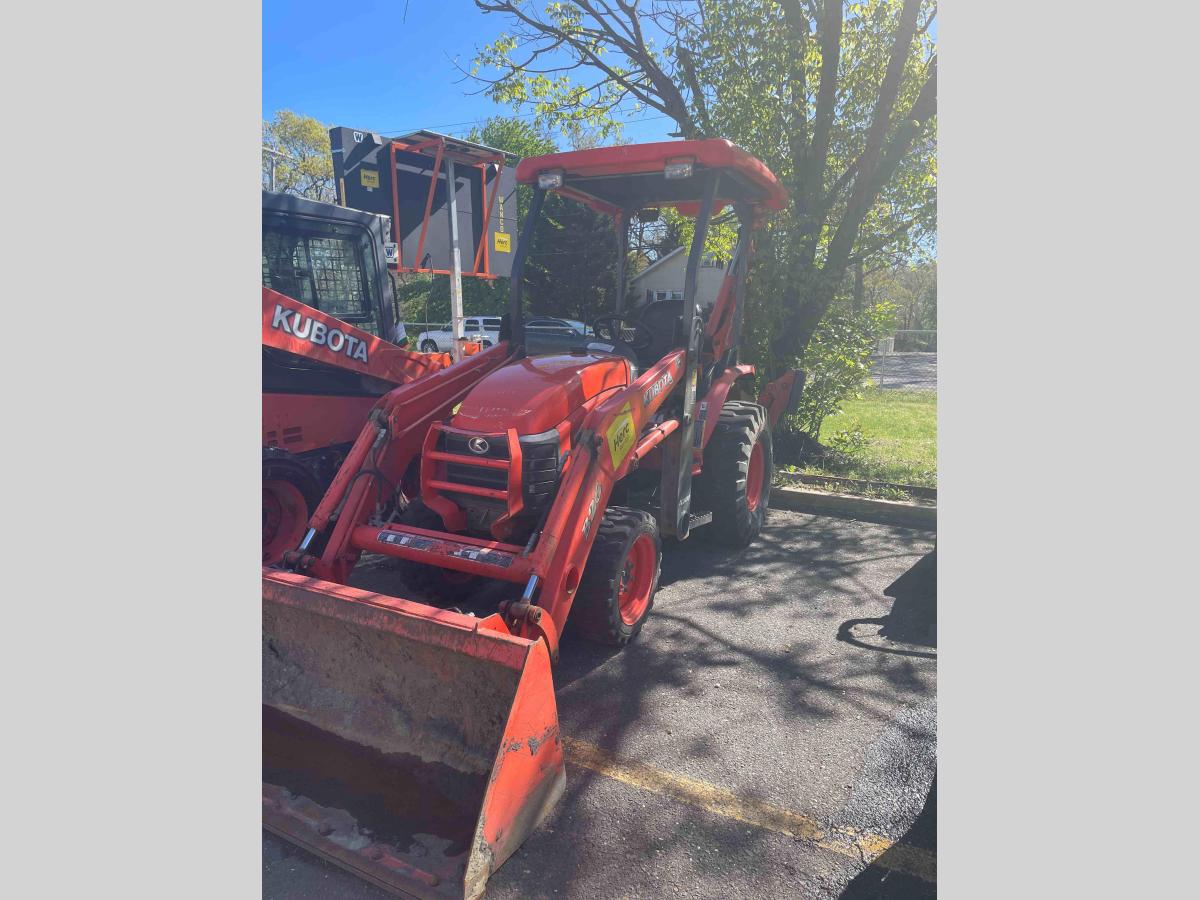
(415,747)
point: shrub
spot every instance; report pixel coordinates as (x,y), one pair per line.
(837,362)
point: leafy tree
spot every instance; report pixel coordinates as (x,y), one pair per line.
(911,288)
(303,164)
(572,266)
(426,298)
(839,99)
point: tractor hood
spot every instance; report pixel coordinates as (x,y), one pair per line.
(537,393)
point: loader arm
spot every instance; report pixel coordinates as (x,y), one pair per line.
(385,448)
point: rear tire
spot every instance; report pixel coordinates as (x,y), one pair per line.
(735,483)
(429,347)
(616,592)
(444,585)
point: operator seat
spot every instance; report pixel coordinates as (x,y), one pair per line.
(664,318)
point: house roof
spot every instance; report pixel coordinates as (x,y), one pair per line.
(658,262)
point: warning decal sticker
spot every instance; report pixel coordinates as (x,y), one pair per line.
(620,436)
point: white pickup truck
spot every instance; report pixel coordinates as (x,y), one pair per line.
(440,340)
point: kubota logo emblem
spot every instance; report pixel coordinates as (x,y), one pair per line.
(478,445)
(295,323)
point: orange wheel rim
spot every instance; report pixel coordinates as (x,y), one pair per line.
(637,579)
(755,477)
(284,517)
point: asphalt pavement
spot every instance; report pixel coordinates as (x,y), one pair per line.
(771,733)
(905,371)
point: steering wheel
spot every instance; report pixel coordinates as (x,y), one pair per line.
(616,329)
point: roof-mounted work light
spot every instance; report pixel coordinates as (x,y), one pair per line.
(680,167)
(550,179)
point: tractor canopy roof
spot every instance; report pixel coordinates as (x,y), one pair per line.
(635,176)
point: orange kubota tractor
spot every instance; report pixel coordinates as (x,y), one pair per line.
(418,744)
(325,360)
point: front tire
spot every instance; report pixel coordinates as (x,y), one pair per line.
(617,590)
(429,347)
(735,483)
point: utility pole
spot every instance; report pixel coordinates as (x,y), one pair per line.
(456,302)
(273,155)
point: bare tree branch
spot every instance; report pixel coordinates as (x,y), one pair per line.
(830,38)
(687,66)
(861,197)
(867,187)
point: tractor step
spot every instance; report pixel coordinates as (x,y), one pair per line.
(695,520)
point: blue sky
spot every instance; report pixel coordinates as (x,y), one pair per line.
(361,66)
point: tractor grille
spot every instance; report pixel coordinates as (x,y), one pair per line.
(475,476)
(496,479)
(458,443)
(539,469)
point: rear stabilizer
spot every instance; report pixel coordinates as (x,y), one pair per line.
(414,746)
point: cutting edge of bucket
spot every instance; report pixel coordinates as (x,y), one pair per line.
(301,823)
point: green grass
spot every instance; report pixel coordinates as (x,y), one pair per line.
(900,432)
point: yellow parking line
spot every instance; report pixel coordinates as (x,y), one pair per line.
(846,841)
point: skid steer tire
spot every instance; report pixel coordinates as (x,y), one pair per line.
(616,592)
(735,483)
(290,495)
(438,584)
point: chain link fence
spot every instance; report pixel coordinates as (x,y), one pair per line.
(906,361)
